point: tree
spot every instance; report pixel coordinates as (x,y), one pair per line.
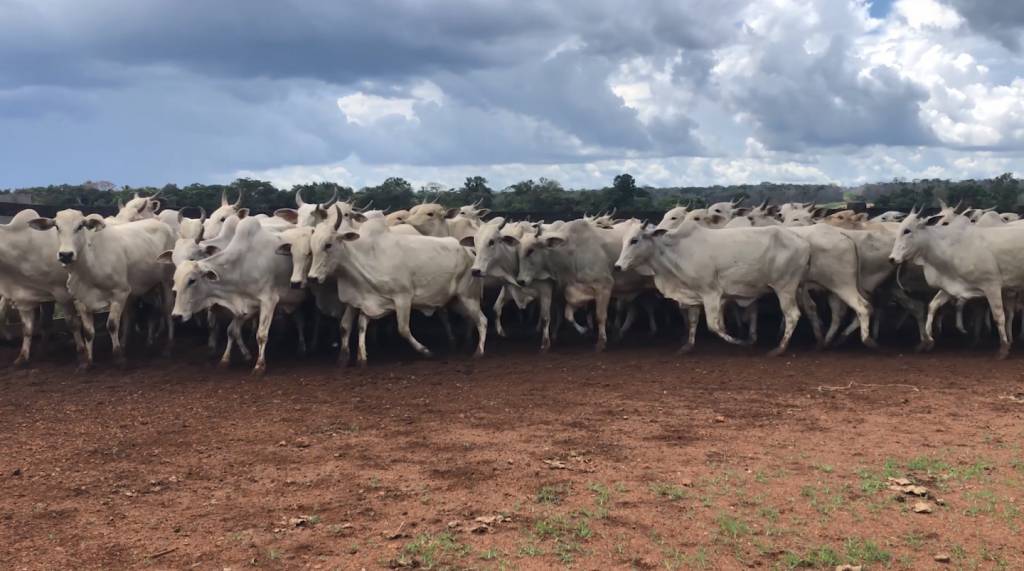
(623,194)
(395,193)
(475,188)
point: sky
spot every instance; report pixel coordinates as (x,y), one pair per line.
(675,92)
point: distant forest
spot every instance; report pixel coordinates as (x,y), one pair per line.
(542,195)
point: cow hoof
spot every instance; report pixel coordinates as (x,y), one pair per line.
(776,352)
(1003,353)
(222,364)
(426,353)
(684,350)
(121,362)
(84,367)
(870,343)
(361,363)
(259,370)
(478,355)
(545,347)
(21,361)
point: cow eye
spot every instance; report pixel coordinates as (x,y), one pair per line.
(430,214)
(327,246)
(906,231)
(528,252)
(491,243)
(697,218)
(191,281)
(633,241)
(223,218)
(673,218)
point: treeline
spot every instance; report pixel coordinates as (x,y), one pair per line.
(544,195)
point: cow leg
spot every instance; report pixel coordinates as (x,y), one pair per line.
(713,315)
(791,311)
(544,317)
(810,308)
(212,333)
(557,317)
(876,323)
(364,321)
(28,329)
(263,334)
(469,308)
(402,309)
(317,317)
(570,316)
(750,314)
(88,335)
(74,324)
(916,309)
(234,335)
(837,313)
(627,323)
(344,329)
(960,303)
(499,305)
(114,326)
(601,315)
(167,306)
(853,299)
(692,314)
(300,325)
(995,304)
(45,325)
(652,321)
(442,316)
(940,299)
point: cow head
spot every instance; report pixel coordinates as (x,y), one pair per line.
(673,218)
(473,212)
(637,246)
(304,213)
(493,248)
(296,243)
(73,231)
(325,239)
(192,283)
(890,216)
(429,219)
(847,219)
(216,220)
(397,217)
(533,255)
(912,235)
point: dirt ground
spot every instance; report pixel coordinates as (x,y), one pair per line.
(635,458)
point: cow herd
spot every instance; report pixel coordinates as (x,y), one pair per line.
(230,270)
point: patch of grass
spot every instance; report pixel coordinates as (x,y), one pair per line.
(673,559)
(490,554)
(273,554)
(824,468)
(972,471)
(823,557)
(982,502)
(567,533)
(530,550)
(872,481)
(602,498)
(863,551)
(731,527)
(1018,465)
(430,551)
(375,482)
(826,500)
(553,494)
(927,465)
(913,540)
(769,513)
(669,491)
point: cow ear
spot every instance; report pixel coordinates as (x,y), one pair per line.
(510,240)
(289,214)
(211,275)
(932,220)
(94,224)
(483,212)
(742,211)
(166,257)
(211,249)
(358,217)
(349,236)
(452,213)
(155,204)
(468,241)
(42,223)
(860,217)
(554,241)
(659,232)
(284,249)
(242,213)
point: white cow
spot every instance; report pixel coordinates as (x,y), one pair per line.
(30,275)
(964,261)
(110,267)
(248,277)
(306,213)
(496,257)
(380,272)
(696,265)
(889,216)
(217,218)
(434,220)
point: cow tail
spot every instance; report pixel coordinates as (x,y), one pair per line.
(856,257)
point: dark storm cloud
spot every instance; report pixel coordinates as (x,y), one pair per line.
(1002,20)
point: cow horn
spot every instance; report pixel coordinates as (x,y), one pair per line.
(156,194)
(942,204)
(298,199)
(334,197)
(739,201)
(224,197)
(337,222)
(958,205)
(202,224)
(614,210)
(239,201)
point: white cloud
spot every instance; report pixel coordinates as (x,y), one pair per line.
(366,109)
(928,13)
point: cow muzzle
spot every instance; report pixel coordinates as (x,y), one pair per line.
(522,282)
(477,273)
(66,257)
(893,260)
(617,268)
(296,285)
(313,279)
